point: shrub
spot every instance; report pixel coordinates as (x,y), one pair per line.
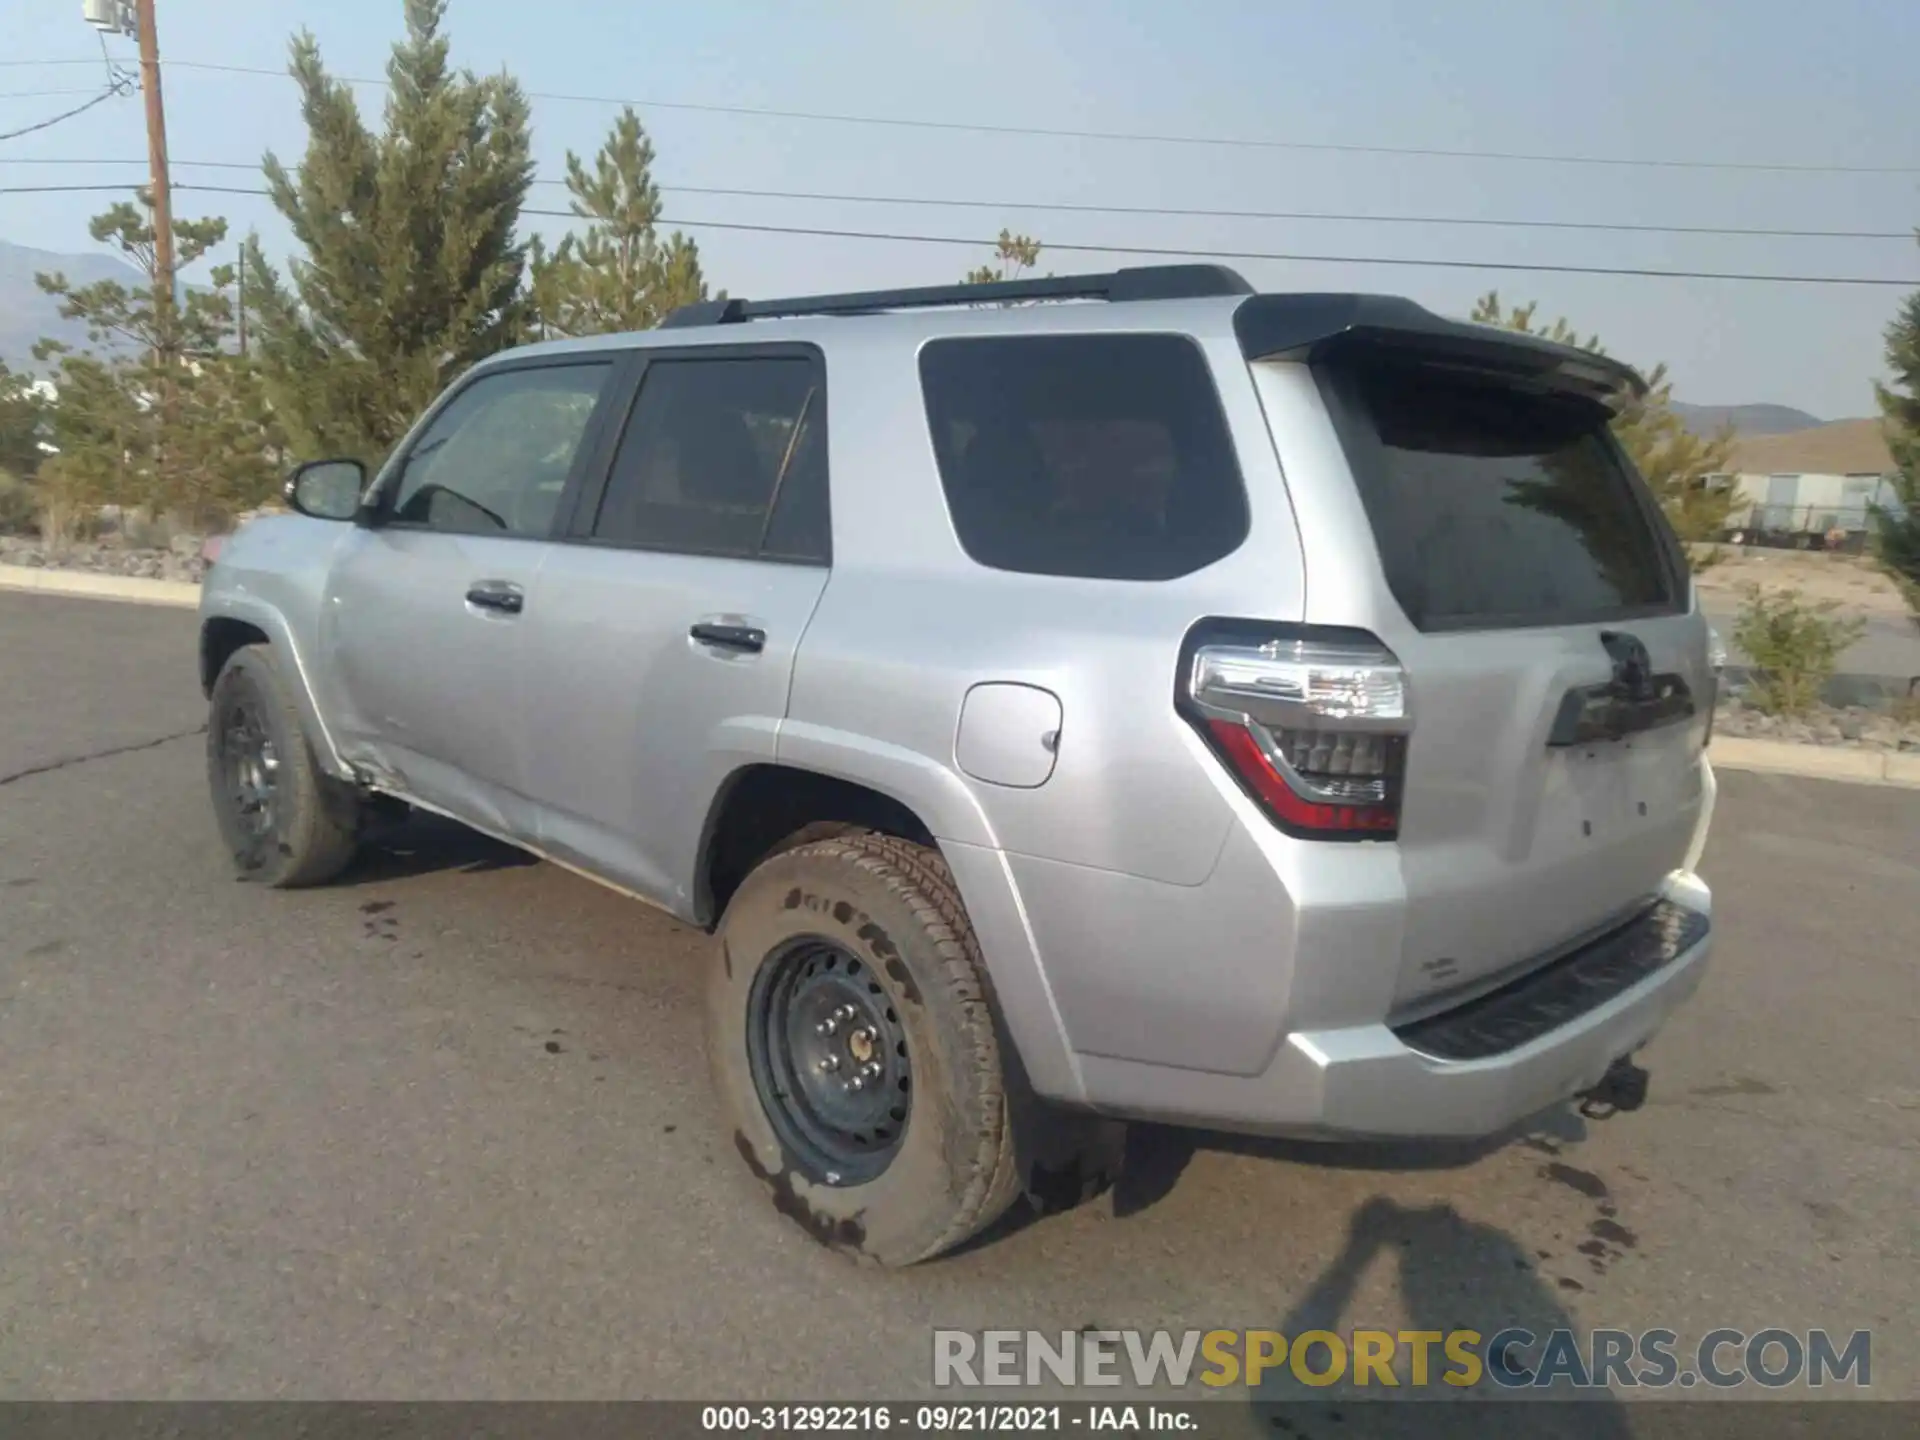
(66,509)
(1795,647)
(144,530)
(19,506)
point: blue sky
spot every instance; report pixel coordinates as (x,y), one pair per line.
(1748,81)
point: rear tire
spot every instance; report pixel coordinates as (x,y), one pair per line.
(850,958)
(285,821)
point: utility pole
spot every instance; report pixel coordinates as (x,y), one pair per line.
(240,300)
(135,18)
(157,159)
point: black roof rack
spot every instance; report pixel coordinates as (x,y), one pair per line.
(1140,282)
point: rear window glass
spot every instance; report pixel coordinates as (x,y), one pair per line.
(1494,506)
(1104,456)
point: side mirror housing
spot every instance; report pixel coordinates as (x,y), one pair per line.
(327,489)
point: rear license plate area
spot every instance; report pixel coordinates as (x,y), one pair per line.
(1619,787)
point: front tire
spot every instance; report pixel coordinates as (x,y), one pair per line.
(285,821)
(854,1047)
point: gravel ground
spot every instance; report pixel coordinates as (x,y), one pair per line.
(181,561)
(1853,727)
(1853,582)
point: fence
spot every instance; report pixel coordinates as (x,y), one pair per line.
(1805,527)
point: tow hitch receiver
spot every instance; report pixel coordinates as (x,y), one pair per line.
(1622,1088)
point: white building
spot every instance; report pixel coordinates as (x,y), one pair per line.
(1809,482)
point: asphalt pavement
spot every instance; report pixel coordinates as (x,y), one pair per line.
(443,1129)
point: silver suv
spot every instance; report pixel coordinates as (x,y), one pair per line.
(1282,713)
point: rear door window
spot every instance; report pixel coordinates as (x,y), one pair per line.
(723,456)
(1104,456)
(1493,506)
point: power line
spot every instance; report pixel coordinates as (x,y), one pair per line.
(76,160)
(118,83)
(1169,252)
(1077,208)
(978,127)
(59,189)
(1130,137)
(116,88)
(30,94)
(1068,207)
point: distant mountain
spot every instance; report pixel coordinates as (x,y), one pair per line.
(26,314)
(1705,420)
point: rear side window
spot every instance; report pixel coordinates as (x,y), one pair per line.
(1494,506)
(1104,456)
(723,457)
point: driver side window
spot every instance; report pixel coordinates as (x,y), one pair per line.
(496,460)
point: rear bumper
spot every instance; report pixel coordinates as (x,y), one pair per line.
(1369,1080)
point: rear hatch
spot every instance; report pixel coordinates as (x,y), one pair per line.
(1557,684)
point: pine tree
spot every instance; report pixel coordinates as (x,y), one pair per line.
(1013,255)
(23,419)
(411,270)
(1894,536)
(23,427)
(156,413)
(1673,459)
(117,316)
(617,275)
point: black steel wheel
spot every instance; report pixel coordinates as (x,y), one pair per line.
(830,1060)
(248,763)
(844,958)
(285,821)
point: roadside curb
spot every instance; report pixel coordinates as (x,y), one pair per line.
(1818,762)
(100,587)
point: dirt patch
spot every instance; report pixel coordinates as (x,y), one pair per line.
(1851,581)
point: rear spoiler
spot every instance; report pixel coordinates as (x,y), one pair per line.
(1313,327)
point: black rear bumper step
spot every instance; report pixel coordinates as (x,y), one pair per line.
(1561,992)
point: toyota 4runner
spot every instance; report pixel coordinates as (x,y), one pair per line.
(1065,701)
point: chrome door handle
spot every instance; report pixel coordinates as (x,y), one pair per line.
(747,639)
(500,596)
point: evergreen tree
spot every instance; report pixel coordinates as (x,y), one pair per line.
(617,275)
(23,420)
(156,413)
(1013,255)
(1894,534)
(123,318)
(411,270)
(1673,459)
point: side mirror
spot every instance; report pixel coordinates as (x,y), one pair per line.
(327,489)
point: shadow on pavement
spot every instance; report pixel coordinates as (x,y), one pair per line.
(1158,1155)
(1455,1274)
(425,844)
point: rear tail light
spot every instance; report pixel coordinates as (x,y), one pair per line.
(1312,722)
